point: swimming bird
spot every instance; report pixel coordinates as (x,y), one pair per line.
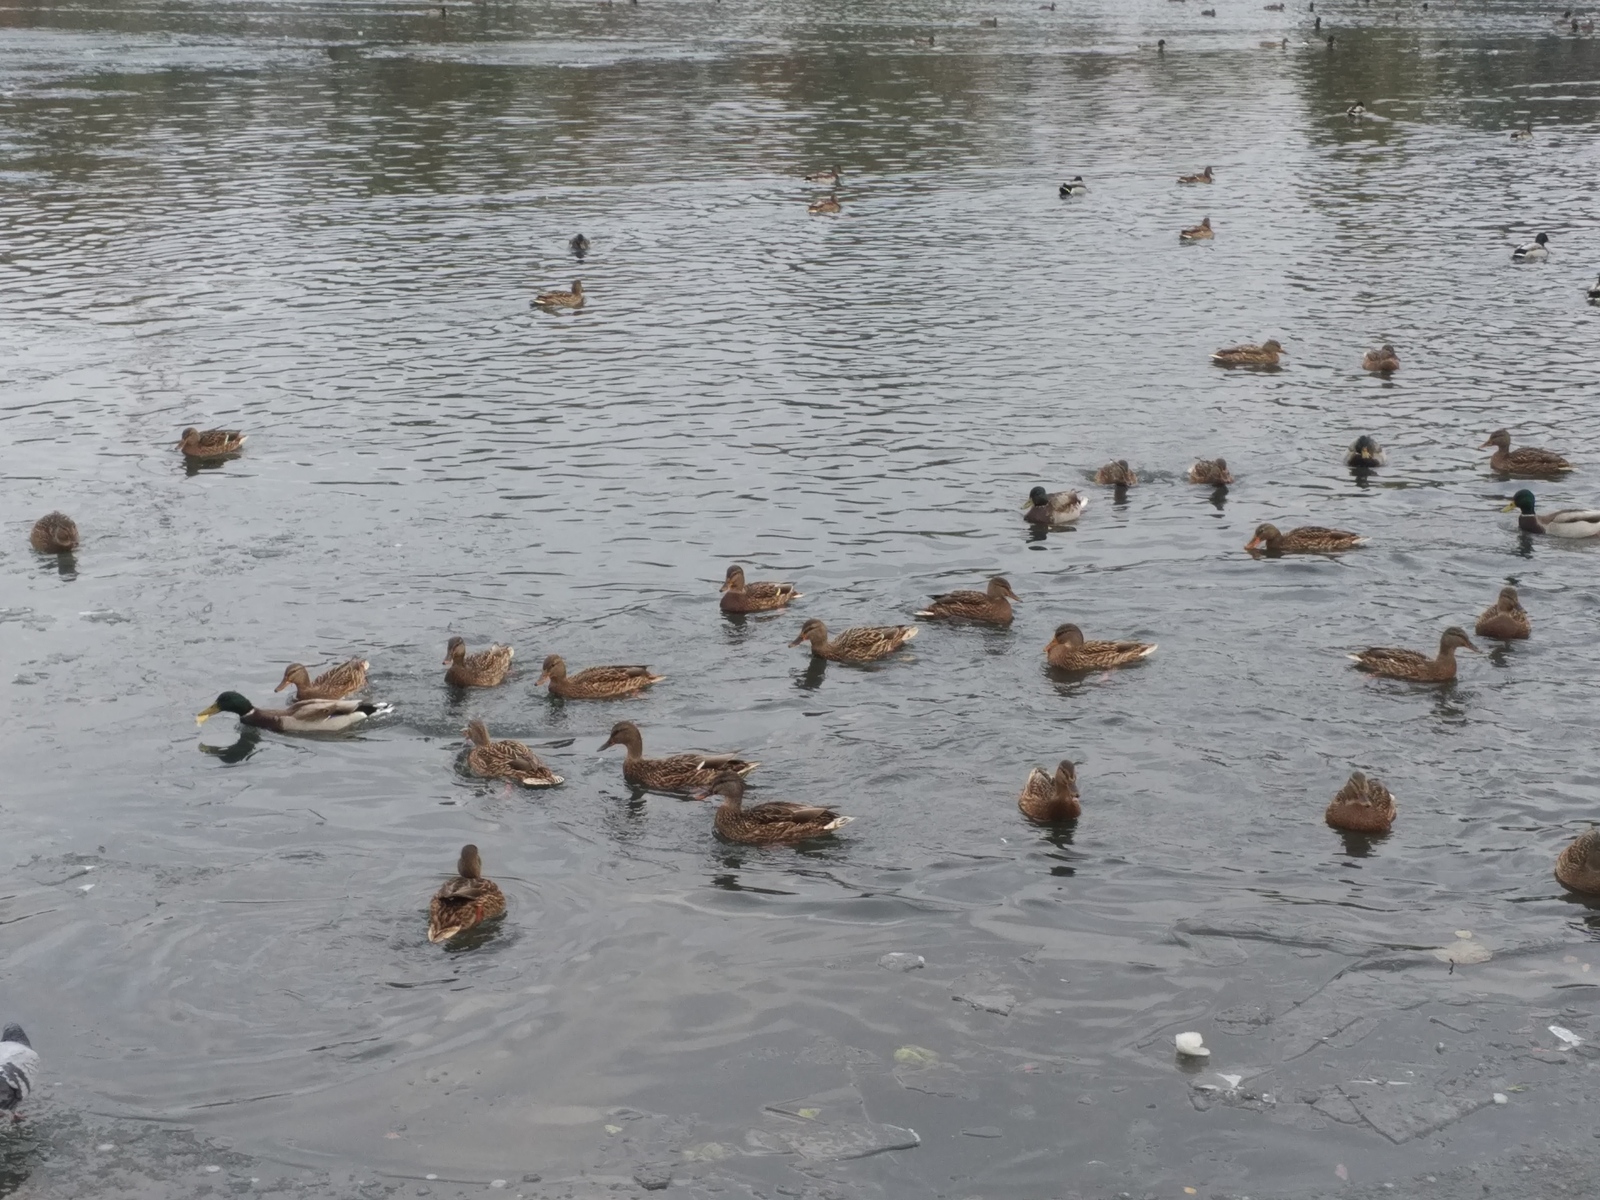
(1413,665)
(1364,454)
(923,41)
(1051,799)
(1594,292)
(1362,805)
(990,22)
(1282,45)
(333,684)
(775,822)
(1564,523)
(1161,45)
(741,597)
(1318,25)
(1307,539)
(54,533)
(572,299)
(991,606)
(486,668)
(1272,7)
(1067,651)
(1212,472)
(1357,110)
(674,773)
(1197,233)
(1117,474)
(1382,361)
(827,177)
(1053,508)
(1208,12)
(865,643)
(1073,187)
(1204,177)
(467,900)
(1524,460)
(210,443)
(1577,867)
(827,206)
(19,1063)
(1505,620)
(505,760)
(1518,135)
(1534,251)
(595,683)
(1264,355)
(302,716)
(579,245)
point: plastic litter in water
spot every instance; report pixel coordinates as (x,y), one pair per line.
(1191,1045)
(1501,1098)
(915,1056)
(1232,1081)
(1566,1035)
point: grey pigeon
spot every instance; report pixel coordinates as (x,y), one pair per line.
(19,1062)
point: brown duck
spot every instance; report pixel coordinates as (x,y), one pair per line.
(1362,806)
(572,299)
(210,443)
(992,606)
(776,821)
(1413,665)
(1524,460)
(486,668)
(676,772)
(1116,474)
(505,760)
(333,684)
(54,533)
(467,900)
(1264,355)
(1068,651)
(827,206)
(1382,361)
(866,643)
(1578,866)
(1505,620)
(1051,800)
(741,597)
(594,683)
(1307,539)
(1203,177)
(1197,233)
(1210,471)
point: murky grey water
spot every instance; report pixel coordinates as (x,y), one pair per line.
(323,223)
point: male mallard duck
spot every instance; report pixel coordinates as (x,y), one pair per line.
(773,822)
(1210,471)
(1518,135)
(1051,800)
(1566,522)
(1505,620)
(303,716)
(1116,474)
(579,245)
(467,900)
(1053,508)
(1382,361)
(827,206)
(676,772)
(210,443)
(1534,251)
(993,605)
(1364,454)
(594,683)
(1073,187)
(1264,355)
(333,684)
(486,668)
(741,597)
(1307,539)
(1524,460)
(1204,177)
(505,760)
(19,1063)
(572,299)
(1413,665)
(827,177)
(54,533)
(1197,233)
(1068,651)
(866,643)
(1357,110)
(1578,866)
(1362,806)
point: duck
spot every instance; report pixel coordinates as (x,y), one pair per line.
(19,1064)
(1535,251)
(1264,355)
(1505,620)
(828,205)
(827,177)
(676,772)
(1272,8)
(1208,12)
(1278,45)
(595,683)
(579,245)
(1051,799)
(1067,651)
(1524,460)
(505,760)
(1357,110)
(1197,233)
(486,668)
(775,822)
(991,606)
(1363,805)
(990,22)
(865,643)
(1203,177)
(333,684)
(1073,187)
(467,900)
(1307,539)
(1577,866)
(1518,135)
(1382,361)
(1211,471)
(1053,508)
(303,716)
(1412,664)
(54,533)
(1594,291)
(1364,454)
(572,299)
(923,41)
(1564,523)
(761,596)
(1116,474)
(210,443)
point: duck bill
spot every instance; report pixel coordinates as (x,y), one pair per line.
(200,718)
(1485,445)
(1253,544)
(605,745)
(798,640)
(544,676)
(1512,507)
(726,584)
(1474,649)
(280,687)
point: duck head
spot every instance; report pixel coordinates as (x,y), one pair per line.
(1066,635)
(813,631)
(294,673)
(625,733)
(1522,502)
(1455,638)
(230,702)
(735,579)
(476,732)
(999,586)
(1265,535)
(1037,497)
(554,667)
(470,864)
(1500,438)
(454,651)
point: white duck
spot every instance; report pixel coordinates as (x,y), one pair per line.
(19,1063)
(1534,251)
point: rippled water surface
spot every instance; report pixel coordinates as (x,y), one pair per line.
(322,224)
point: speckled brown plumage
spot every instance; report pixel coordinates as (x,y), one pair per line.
(776,821)
(1307,539)
(1362,805)
(1524,460)
(761,596)
(1068,651)
(1413,665)
(1050,799)
(505,760)
(866,643)
(467,900)
(1505,620)
(333,684)
(1578,865)
(54,533)
(674,773)
(595,683)
(486,668)
(991,606)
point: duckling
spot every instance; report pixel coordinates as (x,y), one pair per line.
(467,900)
(1048,800)
(1264,355)
(1594,292)
(1053,508)
(1518,135)
(1067,651)
(991,606)
(1362,806)
(827,177)
(1307,539)
(1564,523)
(572,299)
(1413,665)
(1197,233)
(1364,454)
(1535,251)
(775,822)
(866,643)
(1204,177)
(827,206)
(579,246)
(1382,361)
(1212,472)
(594,683)
(1357,110)
(1116,474)
(1578,865)
(1505,620)
(303,716)
(741,597)
(676,772)
(210,443)
(505,760)
(333,684)
(1524,460)
(486,668)
(1073,187)
(54,533)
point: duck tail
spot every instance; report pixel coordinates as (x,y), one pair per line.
(838,823)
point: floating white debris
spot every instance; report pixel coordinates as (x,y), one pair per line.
(106,1147)
(1501,1098)
(1464,951)
(86,887)
(1191,1045)
(1566,1035)
(1232,1081)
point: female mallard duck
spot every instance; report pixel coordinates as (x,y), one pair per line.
(1048,800)
(776,821)
(210,443)
(1505,620)
(594,683)
(1535,251)
(54,533)
(572,299)
(1362,806)
(1564,523)
(1364,454)
(1264,355)
(827,206)
(303,716)
(486,668)
(1382,361)
(827,177)
(1307,539)
(676,772)
(333,684)
(1197,233)
(993,605)
(1204,177)
(579,245)
(505,760)
(1067,651)
(1116,474)
(1053,508)
(1211,471)
(1578,866)
(1413,665)
(1073,187)
(866,643)
(1524,460)
(467,900)
(741,597)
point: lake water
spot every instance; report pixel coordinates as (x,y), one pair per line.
(322,224)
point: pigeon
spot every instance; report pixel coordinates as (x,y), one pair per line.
(18,1063)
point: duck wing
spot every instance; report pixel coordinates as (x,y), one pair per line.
(1572,522)
(1391,660)
(1318,537)
(613,675)
(1531,458)
(958,604)
(872,641)
(19,1064)
(783,812)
